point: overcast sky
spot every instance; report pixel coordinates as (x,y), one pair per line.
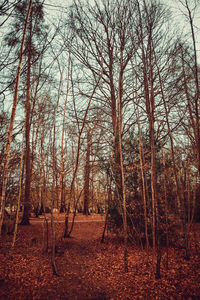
(56,9)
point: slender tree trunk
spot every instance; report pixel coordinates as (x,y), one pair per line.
(194,199)
(151,105)
(42,176)
(53,193)
(53,238)
(74,214)
(153,194)
(27,204)
(54,179)
(87,175)
(147,65)
(40,184)
(19,195)
(122,191)
(104,229)
(15,98)
(61,187)
(109,193)
(124,209)
(46,239)
(166,207)
(144,192)
(188,193)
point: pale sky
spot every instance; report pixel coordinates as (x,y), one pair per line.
(177,9)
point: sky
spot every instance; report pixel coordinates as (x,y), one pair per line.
(177,9)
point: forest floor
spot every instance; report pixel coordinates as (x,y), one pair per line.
(89,269)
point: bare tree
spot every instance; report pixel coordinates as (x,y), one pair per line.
(97,81)
(61,188)
(178,187)
(15,98)
(190,14)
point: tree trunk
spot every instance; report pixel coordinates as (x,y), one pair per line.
(27,202)
(61,185)
(166,207)
(19,195)
(143,185)
(87,175)
(53,193)
(196,78)
(74,214)
(121,188)
(53,239)
(15,98)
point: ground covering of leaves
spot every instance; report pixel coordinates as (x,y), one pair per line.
(89,269)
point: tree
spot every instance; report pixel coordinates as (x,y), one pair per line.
(110,25)
(15,98)
(32,52)
(152,17)
(61,191)
(96,84)
(178,188)
(92,26)
(190,10)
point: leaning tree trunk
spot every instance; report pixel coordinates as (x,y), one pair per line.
(15,98)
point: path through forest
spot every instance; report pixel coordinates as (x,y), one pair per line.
(89,269)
